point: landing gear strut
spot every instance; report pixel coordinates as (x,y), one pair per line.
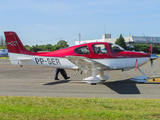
(94,79)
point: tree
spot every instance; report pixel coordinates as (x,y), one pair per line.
(47,47)
(121,42)
(33,48)
(40,47)
(62,44)
(56,47)
(2,41)
(136,47)
(27,47)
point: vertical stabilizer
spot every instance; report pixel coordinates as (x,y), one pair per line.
(13,43)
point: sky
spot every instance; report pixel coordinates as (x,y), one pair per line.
(48,21)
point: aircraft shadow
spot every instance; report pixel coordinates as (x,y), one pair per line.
(123,86)
(57,82)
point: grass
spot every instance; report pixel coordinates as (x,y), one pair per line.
(4,57)
(78,108)
(158,55)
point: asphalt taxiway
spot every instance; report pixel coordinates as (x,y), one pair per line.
(39,81)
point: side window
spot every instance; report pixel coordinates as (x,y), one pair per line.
(82,50)
(99,49)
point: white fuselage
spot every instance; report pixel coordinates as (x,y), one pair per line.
(61,62)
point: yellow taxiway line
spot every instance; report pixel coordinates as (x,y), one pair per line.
(154,80)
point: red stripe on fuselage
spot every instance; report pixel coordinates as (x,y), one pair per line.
(70,52)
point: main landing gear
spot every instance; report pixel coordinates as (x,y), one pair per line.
(94,79)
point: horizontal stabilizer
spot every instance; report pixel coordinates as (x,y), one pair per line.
(21,59)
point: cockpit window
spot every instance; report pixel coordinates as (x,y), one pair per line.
(82,50)
(116,48)
(99,49)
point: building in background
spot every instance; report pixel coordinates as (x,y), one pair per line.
(130,41)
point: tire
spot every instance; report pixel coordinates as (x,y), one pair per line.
(93,83)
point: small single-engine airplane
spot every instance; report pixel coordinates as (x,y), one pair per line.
(97,57)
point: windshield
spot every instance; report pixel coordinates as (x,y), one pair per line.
(116,48)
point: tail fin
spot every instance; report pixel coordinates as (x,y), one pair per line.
(13,43)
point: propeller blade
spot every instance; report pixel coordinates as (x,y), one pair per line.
(151,45)
(153,57)
(151,62)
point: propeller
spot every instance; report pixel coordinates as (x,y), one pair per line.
(152,56)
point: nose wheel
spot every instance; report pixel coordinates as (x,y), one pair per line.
(140,79)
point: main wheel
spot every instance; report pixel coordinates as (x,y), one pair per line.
(93,83)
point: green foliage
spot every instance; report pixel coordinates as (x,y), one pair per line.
(62,44)
(48,47)
(121,42)
(144,48)
(4,57)
(56,47)
(78,108)
(3,47)
(3,43)
(27,47)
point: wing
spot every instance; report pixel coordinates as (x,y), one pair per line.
(85,64)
